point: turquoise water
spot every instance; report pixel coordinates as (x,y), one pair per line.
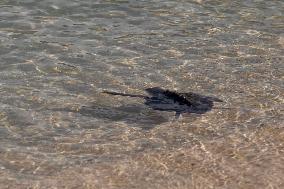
(57,128)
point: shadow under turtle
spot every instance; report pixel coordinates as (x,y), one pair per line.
(158,99)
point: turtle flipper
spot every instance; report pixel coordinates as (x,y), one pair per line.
(177,115)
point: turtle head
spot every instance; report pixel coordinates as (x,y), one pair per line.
(155,91)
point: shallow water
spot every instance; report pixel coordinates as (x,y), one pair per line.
(57,128)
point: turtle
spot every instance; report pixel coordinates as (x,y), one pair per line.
(169,100)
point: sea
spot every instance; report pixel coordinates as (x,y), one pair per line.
(61,61)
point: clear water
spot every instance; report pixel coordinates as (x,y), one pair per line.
(57,130)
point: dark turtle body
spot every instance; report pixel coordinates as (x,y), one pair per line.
(166,100)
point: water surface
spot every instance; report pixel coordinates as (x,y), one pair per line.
(57,128)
